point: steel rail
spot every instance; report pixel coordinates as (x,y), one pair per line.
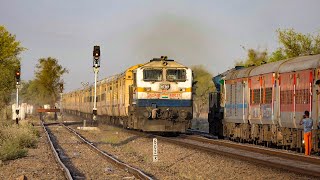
(269,151)
(136,172)
(56,155)
(271,160)
(207,138)
(304,170)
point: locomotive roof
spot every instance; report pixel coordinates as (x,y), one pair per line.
(153,64)
(287,65)
(241,73)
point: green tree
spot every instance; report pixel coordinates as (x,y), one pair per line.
(297,44)
(27,95)
(292,44)
(203,86)
(10,50)
(277,55)
(254,58)
(44,89)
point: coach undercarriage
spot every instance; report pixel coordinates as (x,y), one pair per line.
(269,135)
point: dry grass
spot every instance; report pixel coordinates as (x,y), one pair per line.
(111,139)
(15,139)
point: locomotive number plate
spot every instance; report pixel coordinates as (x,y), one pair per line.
(175,96)
(153,96)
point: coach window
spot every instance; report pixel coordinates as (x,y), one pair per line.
(152,75)
(267,95)
(255,96)
(176,75)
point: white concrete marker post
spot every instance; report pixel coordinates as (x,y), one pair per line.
(155,150)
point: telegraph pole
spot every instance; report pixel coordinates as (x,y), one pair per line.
(61,92)
(96,66)
(17,95)
(84,85)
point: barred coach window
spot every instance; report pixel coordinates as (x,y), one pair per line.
(152,75)
(268,95)
(176,75)
(255,96)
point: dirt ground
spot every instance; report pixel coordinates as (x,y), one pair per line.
(83,162)
(176,162)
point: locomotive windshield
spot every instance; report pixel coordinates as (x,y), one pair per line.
(152,75)
(176,75)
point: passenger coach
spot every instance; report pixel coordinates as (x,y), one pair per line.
(265,103)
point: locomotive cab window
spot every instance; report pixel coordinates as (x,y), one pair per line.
(152,75)
(176,75)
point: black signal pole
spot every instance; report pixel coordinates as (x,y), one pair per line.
(96,66)
(17,95)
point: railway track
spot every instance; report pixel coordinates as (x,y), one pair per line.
(74,173)
(208,138)
(64,168)
(296,163)
(283,160)
(274,158)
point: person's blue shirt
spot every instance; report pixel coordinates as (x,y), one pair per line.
(307,124)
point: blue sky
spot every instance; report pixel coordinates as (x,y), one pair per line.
(210,32)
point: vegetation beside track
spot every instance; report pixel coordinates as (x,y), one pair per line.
(16,139)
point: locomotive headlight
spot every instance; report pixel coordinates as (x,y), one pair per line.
(183,114)
(148,89)
(182,89)
(165,86)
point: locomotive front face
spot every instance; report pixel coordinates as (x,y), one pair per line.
(164,92)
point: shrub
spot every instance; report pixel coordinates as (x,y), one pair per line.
(10,150)
(14,139)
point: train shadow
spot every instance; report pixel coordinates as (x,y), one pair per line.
(75,172)
(121,143)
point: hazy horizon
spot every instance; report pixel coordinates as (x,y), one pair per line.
(205,32)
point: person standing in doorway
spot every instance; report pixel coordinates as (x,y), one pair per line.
(307,127)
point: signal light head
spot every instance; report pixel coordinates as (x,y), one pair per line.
(18,76)
(96,52)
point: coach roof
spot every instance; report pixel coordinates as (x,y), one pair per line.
(236,74)
(287,65)
(300,63)
(267,68)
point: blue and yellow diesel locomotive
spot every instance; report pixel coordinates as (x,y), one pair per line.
(155,96)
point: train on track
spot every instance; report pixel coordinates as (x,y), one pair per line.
(154,97)
(264,104)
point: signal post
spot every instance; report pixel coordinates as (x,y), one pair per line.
(96,66)
(17,94)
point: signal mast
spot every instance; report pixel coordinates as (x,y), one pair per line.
(18,73)
(96,66)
